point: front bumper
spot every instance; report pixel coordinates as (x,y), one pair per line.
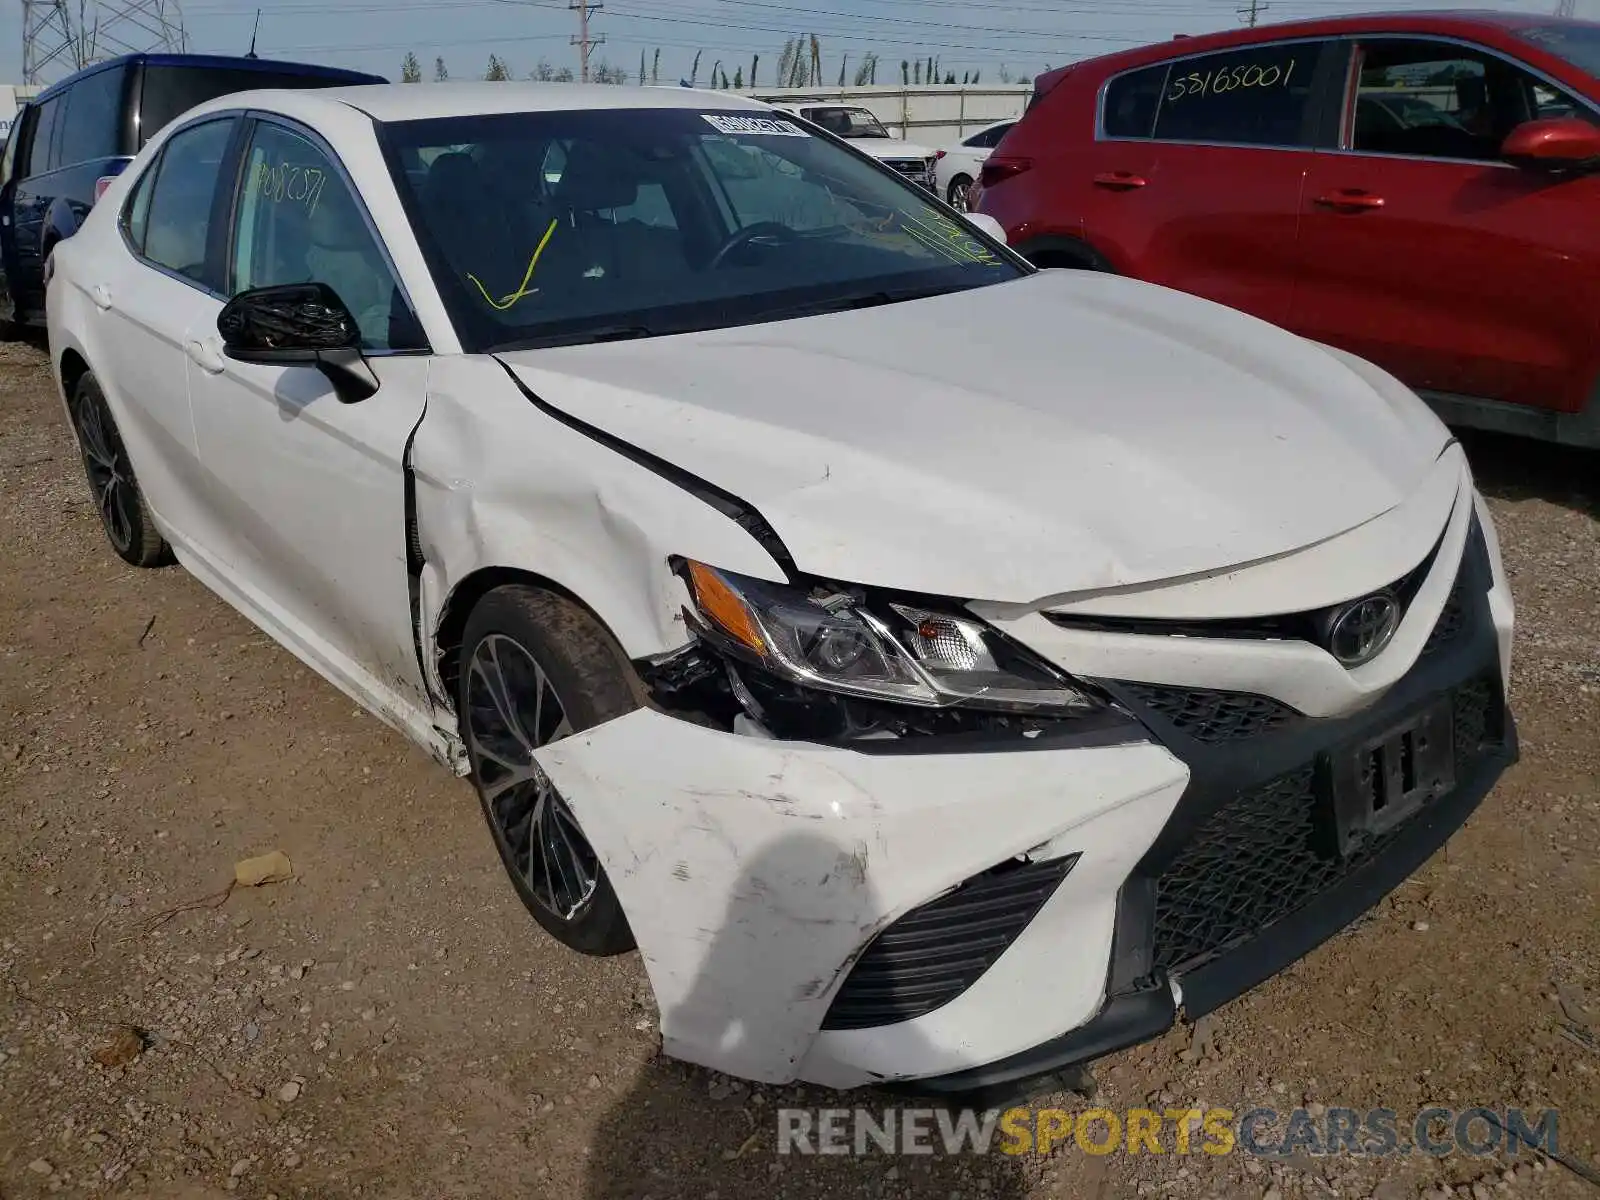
(758,875)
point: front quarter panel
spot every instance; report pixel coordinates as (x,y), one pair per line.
(499,484)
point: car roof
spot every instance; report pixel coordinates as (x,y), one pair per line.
(212,62)
(1461,22)
(421,101)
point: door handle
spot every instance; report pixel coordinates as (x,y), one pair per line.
(101,295)
(1350,200)
(206,355)
(1119,181)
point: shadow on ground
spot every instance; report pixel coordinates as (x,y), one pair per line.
(680,1131)
(1513,468)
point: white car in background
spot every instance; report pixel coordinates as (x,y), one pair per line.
(919,716)
(958,165)
(863,130)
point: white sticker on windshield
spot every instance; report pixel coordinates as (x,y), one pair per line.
(767,126)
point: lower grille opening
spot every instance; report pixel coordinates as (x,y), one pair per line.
(1210,716)
(937,951)
(1267,852)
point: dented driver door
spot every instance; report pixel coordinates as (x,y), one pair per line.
(307,492)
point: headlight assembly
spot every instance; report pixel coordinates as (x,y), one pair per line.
(894,652)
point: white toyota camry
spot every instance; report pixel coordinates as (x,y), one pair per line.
(948,718)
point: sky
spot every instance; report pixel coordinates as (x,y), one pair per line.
(1019,37)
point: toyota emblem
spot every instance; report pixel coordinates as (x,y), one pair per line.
(1361,629)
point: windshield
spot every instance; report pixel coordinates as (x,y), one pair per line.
(549,228)
(847,122)
(1576,41)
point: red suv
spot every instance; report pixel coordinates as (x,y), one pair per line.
(1421,190)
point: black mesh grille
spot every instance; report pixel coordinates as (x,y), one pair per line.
(1209,716)
(934,953)
(1451,621)
(1263,855)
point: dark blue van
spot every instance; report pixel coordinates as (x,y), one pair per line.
(85,129)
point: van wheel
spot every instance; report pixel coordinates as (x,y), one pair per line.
(537,668)
(125,516)
(956,193)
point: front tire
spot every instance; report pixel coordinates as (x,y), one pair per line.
(536,667)
(124,515)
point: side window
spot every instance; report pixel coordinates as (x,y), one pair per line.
(1131,103)
(1254,96)
(89,127)
(650,207)
(135,218)
(42,145)
(178,216)
(299,223)
(8,160)
(989,138)
(1441,100)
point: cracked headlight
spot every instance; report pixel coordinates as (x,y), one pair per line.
(899,653)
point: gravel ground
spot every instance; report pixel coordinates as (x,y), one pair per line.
(390,1023)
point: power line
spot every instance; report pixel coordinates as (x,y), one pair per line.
(1250,12)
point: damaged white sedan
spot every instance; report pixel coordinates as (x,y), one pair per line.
(948,718)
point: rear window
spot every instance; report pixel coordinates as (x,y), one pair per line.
(1254,96)
(172,91)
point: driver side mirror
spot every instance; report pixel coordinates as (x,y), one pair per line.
(298,324)
(1554,144)
(988,224)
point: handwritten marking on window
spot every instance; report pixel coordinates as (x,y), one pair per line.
(1226,79)
(291,182)
(523,290)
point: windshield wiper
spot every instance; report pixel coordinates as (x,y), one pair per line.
(620,332)
(818,308)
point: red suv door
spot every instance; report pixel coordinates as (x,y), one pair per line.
(1192,178)
(1424,251)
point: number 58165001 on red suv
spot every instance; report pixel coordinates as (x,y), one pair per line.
(1416,189)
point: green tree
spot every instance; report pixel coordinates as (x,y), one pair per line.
(410,69)
(543,71)
(905,71)
(738,77)
(655,67)
(844,65)
(865,70)
(694,71)
(755,61)
(725,80)
(562,75)
(916,74)
(496,72)
(439,72)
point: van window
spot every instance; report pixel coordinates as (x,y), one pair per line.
(169,92)
(91,125)
(42,145)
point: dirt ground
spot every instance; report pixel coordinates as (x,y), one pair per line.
(390,1023)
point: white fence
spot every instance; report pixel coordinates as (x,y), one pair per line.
(933,114)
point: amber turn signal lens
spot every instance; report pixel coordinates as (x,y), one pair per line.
(722,605)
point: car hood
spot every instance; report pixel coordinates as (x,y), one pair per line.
(1062,433)
(891,148)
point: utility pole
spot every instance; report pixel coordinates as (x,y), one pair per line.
(584,41)
(1250,12)
(1566,8)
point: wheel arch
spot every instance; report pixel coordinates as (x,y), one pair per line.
(1064,250)
(465,596)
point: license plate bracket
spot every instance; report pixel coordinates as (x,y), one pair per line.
(1381,781)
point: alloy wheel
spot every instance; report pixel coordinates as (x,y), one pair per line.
(512,710)
(958,195)
(106,461)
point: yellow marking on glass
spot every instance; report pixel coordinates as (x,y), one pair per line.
(522,291)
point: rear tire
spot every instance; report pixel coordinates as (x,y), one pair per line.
(956,193)
(535,667)
(124,515)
